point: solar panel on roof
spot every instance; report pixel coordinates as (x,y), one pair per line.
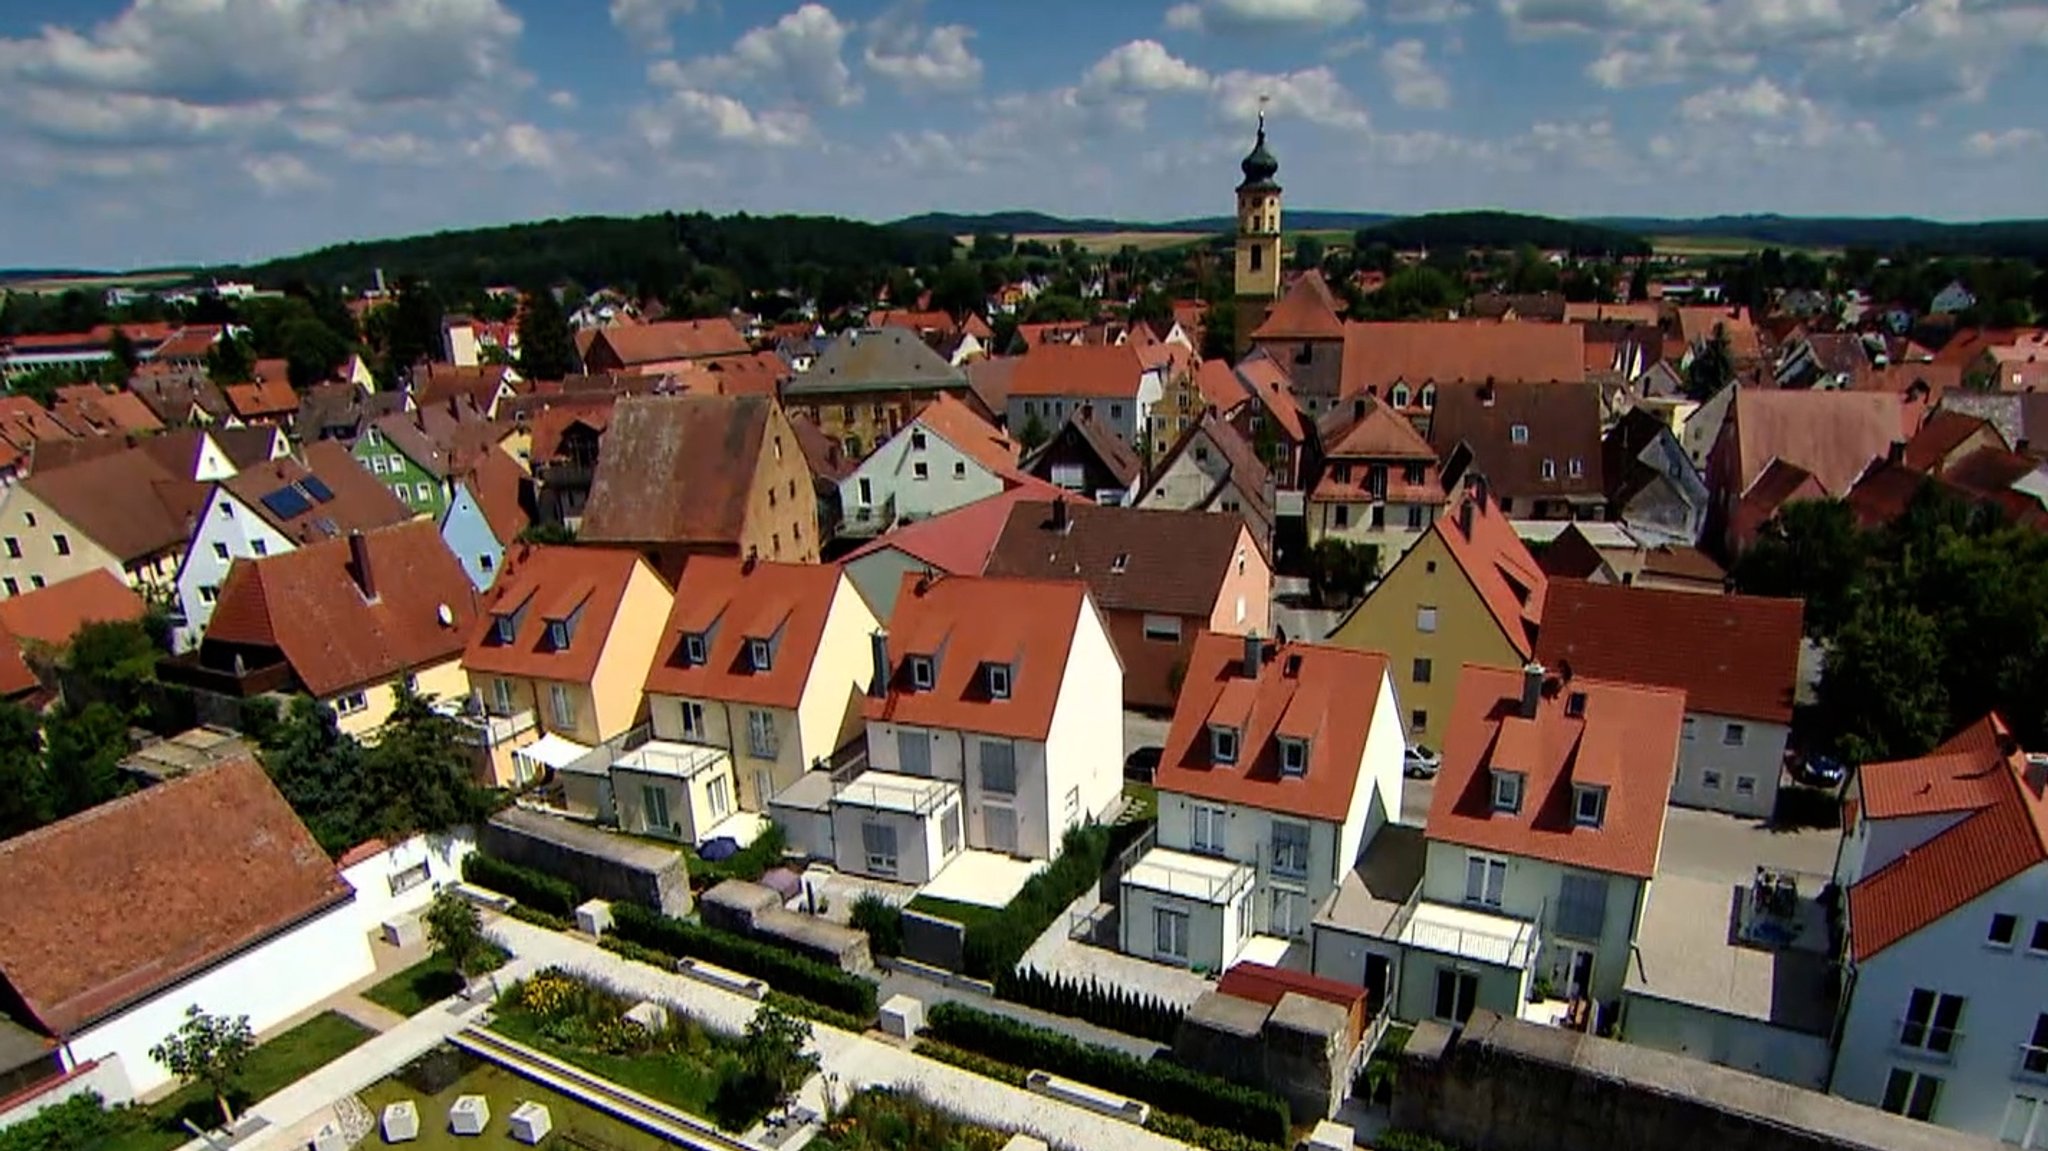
(287,503)
(317,488)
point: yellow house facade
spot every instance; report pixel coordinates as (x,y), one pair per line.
(363,711)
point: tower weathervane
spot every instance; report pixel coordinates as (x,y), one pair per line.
(1264,99)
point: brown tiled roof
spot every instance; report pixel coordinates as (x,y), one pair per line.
(1941,433)
(1562,422)
(1683,563)
(1219,386)
(538,584)
(1097,371)
(494,481)
(126,502)
(1368,429)
(1988,470)
(546,425)
(360,501)
(265,399)
(1539,307)
(1173,563)
(1578,313)
(478,386)
(1696,326)
(731,601)
(1832,435)
(1306,312)
(957,542)
(52,615)
(1242,469)
(989,380)
(822,454)
(1274,390)
(310,604)
(1325,695)
(1884,492)
(1115,456)
(674,340)
(1625,739)
(1508,579)
(974,437)
(130,898)
(246,446)
(1379,355)
(676,469)
(90,409)
(963,623)
(1739,655)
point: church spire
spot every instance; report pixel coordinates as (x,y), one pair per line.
(1259,166)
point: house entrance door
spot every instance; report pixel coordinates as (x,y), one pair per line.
(999,827)
(1578,973)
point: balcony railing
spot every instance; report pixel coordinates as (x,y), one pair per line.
(870,519)
(684,761)
(1920,1039)
(598,760)
(919,799)
(2032,1063)
(1200,883)
(488,731)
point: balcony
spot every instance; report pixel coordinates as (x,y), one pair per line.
(1919,1039)
(1199,877)
(913,795)
(488,731)
(684,761)
(1468,932)
(869,519)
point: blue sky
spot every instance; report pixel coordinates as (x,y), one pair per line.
(151,131)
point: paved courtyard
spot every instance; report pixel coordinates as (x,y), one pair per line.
(983,878)
(1057,953)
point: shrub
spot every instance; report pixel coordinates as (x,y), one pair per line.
(818,1012)
(77,1123)
(966,1060)
(1398,1140)
(1205,1099)
(1105,1005)
(785,971)
(1188,1131)
(882,920)
(537,890)
(534,915)
(749,863)
(996,944)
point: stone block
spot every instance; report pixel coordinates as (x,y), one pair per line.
(651,1016)
(594,917)
(902,1017)
(1023,1142)
(330,1137)
(404,931)
(401,1121)
(531,1122)
(1329,1136)
(470,1115)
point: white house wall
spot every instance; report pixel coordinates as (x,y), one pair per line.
(889,473)
(1759,759)
(840,670)
(918,851)
(374,878)
(1085,746)
(1213,938)
(225,520)
(1877,842)
(1248,838)
(956,756)
(1531,892)
(725,727)
(1376,800)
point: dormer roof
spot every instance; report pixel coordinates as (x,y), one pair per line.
(730,602)
(963,623)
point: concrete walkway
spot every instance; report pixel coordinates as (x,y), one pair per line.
(925,989)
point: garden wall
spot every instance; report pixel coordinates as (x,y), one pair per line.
(598,864)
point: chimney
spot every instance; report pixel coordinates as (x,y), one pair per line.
(2035,775)
(1465,517)
(753,558)
(878,681)
(1059,513)
(359,563)
(1254,652)
(1532,688)
(1358,408)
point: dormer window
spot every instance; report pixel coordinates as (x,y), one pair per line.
(1428,397)
(696,652)
(759,657)
(1120,564)
(1549,469)
(921,677)
(998,675)
(1575,704)
(506,628)
(1519,433)
(1400,395)
(1223,744)
(1293,757)
(558,634)
(1507,791)
(1589,805)
(917,440)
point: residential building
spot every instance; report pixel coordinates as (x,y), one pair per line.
(347,621)
(124,512)
(679,476)
(1085,457)
(1213,468)
(559,655)
(1159,579)
(398,450)
(1379,484)
(828,465)
(267,398)
(485,388)
(1735,657)
(37,626)
(1407,362)
(1830,436)
(1652,485)
(1282,762)
(652,349)
(485,516)
(1537,444)
(945,458)
(993,716)
(1468,592)
(1274,423)
(758,678)
(1945,996)
(1303,333)
(1052,381)
(269,510)
(239,917)
(561,454)
(867,384)
(956,543)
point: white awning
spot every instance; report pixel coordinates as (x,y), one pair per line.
(552,750)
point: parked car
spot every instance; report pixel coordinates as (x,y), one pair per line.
(1421,763)
(1141,765)
(1823,771)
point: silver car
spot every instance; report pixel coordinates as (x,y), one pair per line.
(1421,763)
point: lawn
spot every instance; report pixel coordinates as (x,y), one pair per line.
(425,983)
(1144,801)
(273,1066)
(964,914)
(575,1124)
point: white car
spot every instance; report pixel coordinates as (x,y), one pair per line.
(1421,763)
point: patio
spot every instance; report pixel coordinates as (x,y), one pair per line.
(983,878)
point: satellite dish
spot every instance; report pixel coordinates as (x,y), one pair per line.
(446,615)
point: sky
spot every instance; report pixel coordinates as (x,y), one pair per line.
(150,132)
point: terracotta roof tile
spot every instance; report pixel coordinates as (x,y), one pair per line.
(1379,355)
(1580,313)
(217,858)
(1739,658)
(974,437)
(957,542)
(1306,312)
(360,502)
(1832,435)
(1132,559)
(1108,372)
(1326,695)
(677,469)
(1274,390)
(1219,386)
(127,502)
(52,615)
(264,399)
(495,482)
(1940,434)
(1626,737)
(730,602)
(539,580)
(639,344)
(963,623)
(1508,579)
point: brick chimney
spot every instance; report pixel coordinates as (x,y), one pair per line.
(1532,688)
(359,565)
(878,651)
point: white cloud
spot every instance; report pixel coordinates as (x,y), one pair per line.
(689,113)
(919,59)
(1425,11)
(1988,145)
(1760,99)
(1930,50)
(1226,16)
(275,175)
(1143,67)
(799,54)
(1313,95)
(563,99)
(1669,58)
(647,22)
(1413,80)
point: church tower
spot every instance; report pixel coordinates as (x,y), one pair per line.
(1257,279)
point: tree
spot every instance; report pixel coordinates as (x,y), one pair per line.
(1219,332)
(24,803)
(122,354)
(1342,569)
(774,1057)
(1882,696)
(456,933)
(415,332)
(1033,433)
(1812,550)
(229,360)
(311,350)
(418,777)
(319,771)
(83,756)
(957,290)
(208,1049)
(547,349)
(1152,308)
(113,662)
(1308,253)
(1712,367)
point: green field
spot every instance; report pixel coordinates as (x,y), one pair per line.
(275,1064)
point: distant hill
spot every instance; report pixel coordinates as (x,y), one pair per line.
(1020,223)
(1505,230)
(1990,238)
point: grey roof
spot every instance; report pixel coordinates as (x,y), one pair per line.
(2018,416)
(868,360)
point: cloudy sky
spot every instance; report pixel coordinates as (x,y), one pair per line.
(150,131)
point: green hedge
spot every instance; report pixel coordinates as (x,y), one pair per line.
(748,863)
(882,920)
(535,889)
(537,917)
(1105,1005)
(1398,1140)
(76,1124)
(1207,1100)
(787,971)
(1194,1134)
(995,945)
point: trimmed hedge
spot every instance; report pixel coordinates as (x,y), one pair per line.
(539,891)
(965,1060)
(787,971)
(994,945)
(748,863)
(1207,1138)
(1207,1100)
(882,920)
(1105,1005)
(537,917)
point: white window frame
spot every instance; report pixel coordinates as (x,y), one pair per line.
(1204,822)
(1581,815)
(1492,873)
(763,741)
(760,655)
(1734,734)
(1507,791)
(1518,433)
(1425,619)
(1170,930)
(718,796)
(922,674)
(696,652)
(561,705)
(693,718)
(1163,628)
(2012,934)
(1293,756)
(878,862)
(1745,785)
(999,681)
(1290,859)
(1710,779)
(920,471)
(1223,744)
(501,696)
(351,703)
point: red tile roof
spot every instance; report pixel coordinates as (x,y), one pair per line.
(974,437)
(127,502)
(1941,434)
(1262,984)
(1306,312)
(1098,371)
(128,899)
(90,409)
(1379,355)
(267,399)
(538,584)
(17,678)
(1737,656)
(1274,390)
(677,469)
(957,542)
(52,615)
(311,605)
(1219,386)
(1832,435)
(494,482)
(729,602)
(1496,561)
(963,623)
(360,501)
(1325,695)
(639,344)
(1625,740)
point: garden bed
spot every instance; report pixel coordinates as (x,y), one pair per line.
(428,982)
(965,914)
(882,1120)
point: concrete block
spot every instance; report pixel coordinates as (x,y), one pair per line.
(1093,1098)
(330,1137)
(404,931)
(651,1016)
(470,1115)
(531,1122)
(723,978)
(902,1017)
(594,917)
(1329,1136)
(401,1121)
(1023,1142)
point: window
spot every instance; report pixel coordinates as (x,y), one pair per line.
(949,831)
(998,767)
(506,629)
(400,491)
(1163,628)
(207,592)
(558,634)
(1208,830)
(562,704)
(763,742)
(999,681)
(1343,515)
(959,470)
(1507,791)
(1073,805)
(261,548)
(404,881)
(63,543)
(1688,728)
(2034,1056)
(1169,926)
(1589,806)
(913,751)
(1290,850)
(1575,704)
(2026,1122)
(1745,785)
(1519,434)
(1549,469)
(693,719)
(694,651)
(1710,779)
(759,655)
(654,806)
(1733,734)
(1415,517)
(36,581)
(1456,992)
(13,548)
(1223,744)
(1576,468)
(917,440)
(1425,620)
(425,492)
(397,464)
(13,586)
(1912,1094)
(719,796)
(1400,395)
(2038,941)
(1418,719)
(1420,672)
(501,696)
(920,471)
(1930,1022)
(1581,905)
(220,551)
(879,841)
(1485,879)
(1293,756)
(377,465)
(921,672)
(351,703)
(1257,257)
(1244,917)
(1116,411)
(227,512)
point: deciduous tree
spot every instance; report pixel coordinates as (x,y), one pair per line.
(547,349)
(208,1049)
